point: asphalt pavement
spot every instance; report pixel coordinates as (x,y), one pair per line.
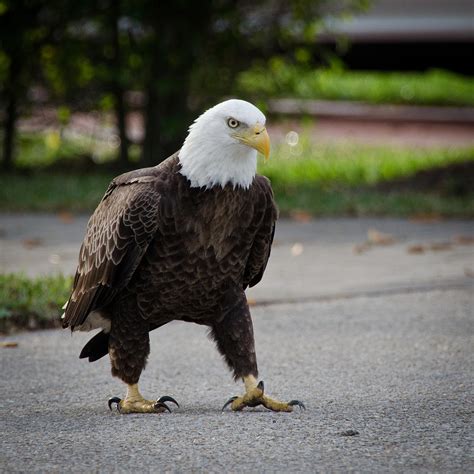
(369,321)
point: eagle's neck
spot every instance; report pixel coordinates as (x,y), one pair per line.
(207,164)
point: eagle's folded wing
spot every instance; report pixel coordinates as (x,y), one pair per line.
(117,236)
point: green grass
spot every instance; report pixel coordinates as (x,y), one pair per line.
(343,201)
(46,194)
(321,179)
(353,164)
(52,192)
(282,79)
(31,302)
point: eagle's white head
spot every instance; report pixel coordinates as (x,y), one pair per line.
(222,144)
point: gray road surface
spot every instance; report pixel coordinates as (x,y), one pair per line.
(309,260)
(379,342)
(397,369)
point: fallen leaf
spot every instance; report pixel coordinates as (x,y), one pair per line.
(379,238)
(361,248)
(32,243)
(65,217)
(8,344)
(416,249)
(426,218)
(469,272)
(297,249)
(437,246)
(464,239)
(301,216)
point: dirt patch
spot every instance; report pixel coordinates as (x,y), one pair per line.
(454,180)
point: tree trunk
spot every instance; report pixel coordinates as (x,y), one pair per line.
(151,142)
(166,122)
(152,151)
(11,114)
(166,113)
(117,89)
(120,115)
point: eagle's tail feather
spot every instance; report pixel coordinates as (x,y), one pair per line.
(96,348)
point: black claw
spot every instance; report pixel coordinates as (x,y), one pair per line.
(228,402)
(260,385)
(114,400)
(159,404)
(297,403)
(166,398)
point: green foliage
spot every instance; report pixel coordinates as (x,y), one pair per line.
(52,192)
(279,78)
(32,302)
(353,165)
(40,151)
(322,179)
(87,54)
(42,192)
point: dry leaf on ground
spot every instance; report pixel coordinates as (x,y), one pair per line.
(416,249)
(361,248)
(436,246)
(380,238)
(32,243)
(301,216)
(426,218)
(469,272)
(8,344)
(464,239)
(65,217)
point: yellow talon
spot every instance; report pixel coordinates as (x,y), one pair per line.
(255,396)
(135,403)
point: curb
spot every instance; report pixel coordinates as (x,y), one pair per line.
(371,112)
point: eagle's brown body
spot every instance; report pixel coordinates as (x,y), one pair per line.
(158,250)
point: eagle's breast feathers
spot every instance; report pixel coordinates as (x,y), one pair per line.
(171,244)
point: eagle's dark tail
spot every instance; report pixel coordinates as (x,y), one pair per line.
(96,348)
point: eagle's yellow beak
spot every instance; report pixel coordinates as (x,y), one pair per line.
(256,137)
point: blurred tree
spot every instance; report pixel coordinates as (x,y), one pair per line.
(182,55)
(20,38)
(28,28)
(117,84)
(193,50)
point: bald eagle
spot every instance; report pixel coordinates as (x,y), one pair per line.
(181,241)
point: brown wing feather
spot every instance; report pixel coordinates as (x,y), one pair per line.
(267,214)
(117,236)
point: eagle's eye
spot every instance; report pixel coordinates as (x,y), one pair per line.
(232,123)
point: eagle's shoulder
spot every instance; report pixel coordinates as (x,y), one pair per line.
(117,236)
(263,184)
(155,174)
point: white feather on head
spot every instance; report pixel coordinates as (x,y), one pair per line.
(212,156)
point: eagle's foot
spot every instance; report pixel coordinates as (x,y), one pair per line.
(135,403)
(255,396)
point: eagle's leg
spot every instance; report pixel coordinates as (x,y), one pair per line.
(129,346)
(235,341)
